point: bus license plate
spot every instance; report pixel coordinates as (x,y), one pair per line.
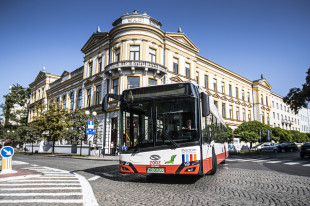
(155,170)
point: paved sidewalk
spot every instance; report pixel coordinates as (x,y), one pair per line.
(19,174)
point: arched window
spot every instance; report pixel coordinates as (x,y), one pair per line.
(64,101)
(71,101)
(80,99)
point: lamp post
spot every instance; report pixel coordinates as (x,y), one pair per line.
(93,114)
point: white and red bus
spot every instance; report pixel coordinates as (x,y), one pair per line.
(170,129)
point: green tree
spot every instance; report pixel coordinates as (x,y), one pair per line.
(77,132)
(52,120)
(253,126)
(298,98)
(249,136)
(229,133)
(15,112)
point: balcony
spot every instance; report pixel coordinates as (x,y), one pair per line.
(133,65)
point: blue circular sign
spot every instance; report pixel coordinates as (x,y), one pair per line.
(7,152)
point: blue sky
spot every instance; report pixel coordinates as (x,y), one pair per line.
(248,37)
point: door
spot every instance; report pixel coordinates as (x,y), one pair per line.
(113,135)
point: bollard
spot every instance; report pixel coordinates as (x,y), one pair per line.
(7,153)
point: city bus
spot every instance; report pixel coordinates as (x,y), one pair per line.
(169,129)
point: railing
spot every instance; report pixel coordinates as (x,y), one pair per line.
(136,64)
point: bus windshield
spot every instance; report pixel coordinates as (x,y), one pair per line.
(159,122)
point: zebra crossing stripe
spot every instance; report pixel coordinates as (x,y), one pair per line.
(39,194)
(40,188)
(41,201)
(40,184)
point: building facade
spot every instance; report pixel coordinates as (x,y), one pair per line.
(137,53)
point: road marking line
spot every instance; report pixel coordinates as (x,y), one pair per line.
(89,198)
(93,178)
(69,177)
(259,160)
(41,200)
(274,162)
(40,188)
(44,180)
(307,165)
(292,163)
(15,162)
(42,184)
(39,194)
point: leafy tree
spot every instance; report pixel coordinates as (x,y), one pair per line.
(229,133)
(52,120)
(249,136)
(253,126)
(15,112)
(298,98)
(77,132)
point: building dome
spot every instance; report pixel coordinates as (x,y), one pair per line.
(136,18)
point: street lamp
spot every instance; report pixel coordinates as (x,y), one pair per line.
(93,114)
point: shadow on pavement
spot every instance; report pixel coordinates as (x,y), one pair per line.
(111,172)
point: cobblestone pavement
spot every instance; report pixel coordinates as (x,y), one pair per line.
(229,186)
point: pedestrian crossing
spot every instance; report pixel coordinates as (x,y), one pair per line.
(270,161)
(50,187)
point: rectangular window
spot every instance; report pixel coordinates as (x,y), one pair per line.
(216,104)
(268,121)
(273,104)
(134,52)
(277,106)
(215,84)
(274,115)
(90,68)
(118,55)
(230,112)
(187,70)
(152,82)
(263,118)
(175,65)
(278,116)
(230,90)
(223,87)
(206,81)
(98,94)
(197,77)
(223,110)
(237,113)
(266,100)
(115,86)
(133,82)
(88,97)
(262,99)
(237,93)
(242,95)
(248,96)
(249,115)
(243,114)
(100,64)
(152,55)
(281,106)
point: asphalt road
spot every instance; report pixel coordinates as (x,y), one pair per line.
(269,179)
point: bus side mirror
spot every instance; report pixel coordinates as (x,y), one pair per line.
(105,103)
(205,106)
(106,98)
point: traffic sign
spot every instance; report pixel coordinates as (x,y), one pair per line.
(90,131)
(268,131)
(7,152)
(91,123)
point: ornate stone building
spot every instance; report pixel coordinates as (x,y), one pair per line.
(137,53)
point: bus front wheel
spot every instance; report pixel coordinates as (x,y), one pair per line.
(214,164)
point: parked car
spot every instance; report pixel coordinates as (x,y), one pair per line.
(292,147)
(269,147)
(283,147)
(305,150)
(256,147)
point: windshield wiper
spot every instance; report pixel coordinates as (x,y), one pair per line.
(166,135)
